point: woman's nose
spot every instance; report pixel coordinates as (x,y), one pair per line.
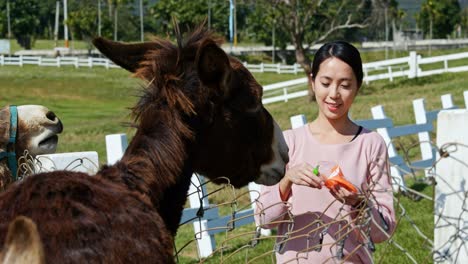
(333,92)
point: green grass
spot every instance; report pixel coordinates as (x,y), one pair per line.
(93,103)
(44,44)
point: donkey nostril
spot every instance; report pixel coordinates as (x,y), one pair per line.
(51,116)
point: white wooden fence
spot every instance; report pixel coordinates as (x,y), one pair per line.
(77,62)
(91,62)
(212,223)
(409,67)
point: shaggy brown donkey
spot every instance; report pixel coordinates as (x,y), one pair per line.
(25,127)
(201,111)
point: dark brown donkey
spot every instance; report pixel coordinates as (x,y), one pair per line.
(201,111)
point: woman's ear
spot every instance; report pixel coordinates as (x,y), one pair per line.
(312,82)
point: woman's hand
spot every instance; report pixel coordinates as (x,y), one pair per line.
(303,174)
(346,197)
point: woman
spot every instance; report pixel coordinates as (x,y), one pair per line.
(318,219)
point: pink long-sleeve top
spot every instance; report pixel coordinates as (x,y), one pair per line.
(310,213)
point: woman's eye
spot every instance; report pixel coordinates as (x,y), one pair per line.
(345,86)
(325,84)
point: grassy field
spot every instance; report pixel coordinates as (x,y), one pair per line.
(44,44)
(93,103)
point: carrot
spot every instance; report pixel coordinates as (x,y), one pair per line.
(330,183)
(337,178)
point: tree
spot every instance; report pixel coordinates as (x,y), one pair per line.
(83,21)
(440,17)
(46,14)
(308,22)
(464,22)
(189,14)
(24,20)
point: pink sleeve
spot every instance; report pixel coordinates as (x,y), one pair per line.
(269,206)
(380,194)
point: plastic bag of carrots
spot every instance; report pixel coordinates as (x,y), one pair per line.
(336,178)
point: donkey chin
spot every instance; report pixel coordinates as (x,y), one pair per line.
(274,171)
(44,143)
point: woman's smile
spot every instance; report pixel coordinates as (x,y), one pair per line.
(333,107)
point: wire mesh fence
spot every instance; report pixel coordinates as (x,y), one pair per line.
(331,230)
(236,238)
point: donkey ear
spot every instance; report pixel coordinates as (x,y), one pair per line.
(4,126)
(127,56)
(213,65)
(22,244)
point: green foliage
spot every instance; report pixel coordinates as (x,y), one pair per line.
(444,15)
(24,20)
(46,15)
(83,20)
(189,14)
(464,22)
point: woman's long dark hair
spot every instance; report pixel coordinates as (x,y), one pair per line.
(343,51)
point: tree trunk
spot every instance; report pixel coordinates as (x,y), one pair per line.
(115,23)
(24,41)
(304,61)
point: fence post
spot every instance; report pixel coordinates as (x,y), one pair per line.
(21,60)
(254,193)
(298,121)
(366,76)
(285,94)
(450,212)
(107,63)
(2,60)
(413,65)
(278,68)
(397,177)
(205,243)
(116,144)
(424,138)
(77,64)
(465,95)
(87,162)
(57,59)
(262,67)
(90,62)
(390,73)
(295,68)
(447,101)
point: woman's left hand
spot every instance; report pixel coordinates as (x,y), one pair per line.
(345,196)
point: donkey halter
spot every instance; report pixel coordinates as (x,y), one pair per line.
(10,152)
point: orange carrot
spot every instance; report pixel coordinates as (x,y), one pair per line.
(337,178)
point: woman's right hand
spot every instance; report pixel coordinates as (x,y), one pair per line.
(303,174)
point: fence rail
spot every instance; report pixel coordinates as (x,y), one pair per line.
(409,67)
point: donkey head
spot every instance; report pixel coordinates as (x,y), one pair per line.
(234,136)
(36,129)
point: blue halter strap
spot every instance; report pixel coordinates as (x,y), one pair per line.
(10,152)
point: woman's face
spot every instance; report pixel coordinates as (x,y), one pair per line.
(335,88)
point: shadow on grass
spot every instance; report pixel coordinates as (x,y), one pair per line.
(419,186)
